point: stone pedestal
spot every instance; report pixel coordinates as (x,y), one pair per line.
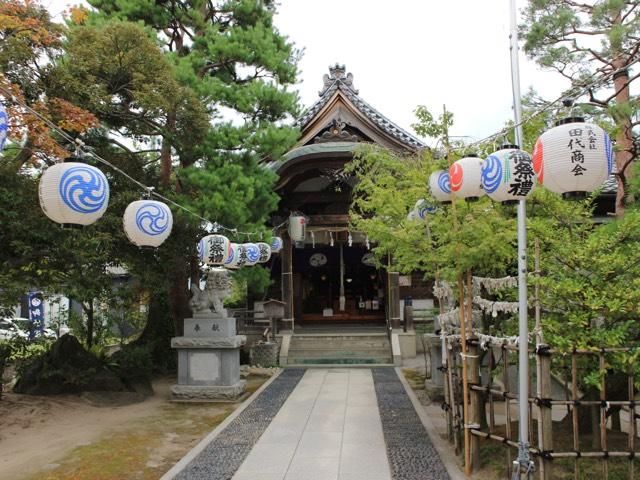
(208,359)
(434,386)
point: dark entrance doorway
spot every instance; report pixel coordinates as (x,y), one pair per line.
(321,278)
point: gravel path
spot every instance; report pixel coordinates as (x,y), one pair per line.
(222,457)
(409,449)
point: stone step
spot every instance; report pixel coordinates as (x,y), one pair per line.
(378,352)
(339,361)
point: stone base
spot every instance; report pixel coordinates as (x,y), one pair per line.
(208,393)
(433,391)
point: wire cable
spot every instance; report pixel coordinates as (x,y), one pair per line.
(82,148)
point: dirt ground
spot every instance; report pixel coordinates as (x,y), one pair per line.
(70,437)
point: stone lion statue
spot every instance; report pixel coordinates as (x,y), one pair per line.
(211,298)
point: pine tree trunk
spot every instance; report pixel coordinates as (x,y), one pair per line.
(624,138)
(165,151)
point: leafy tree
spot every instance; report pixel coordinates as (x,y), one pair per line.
(203,110)
(584,41)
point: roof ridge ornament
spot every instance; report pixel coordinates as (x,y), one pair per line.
(337,74)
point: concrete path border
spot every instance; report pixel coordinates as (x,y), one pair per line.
(193,453)
(445,451)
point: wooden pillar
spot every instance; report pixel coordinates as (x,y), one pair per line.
(394,299)
(545,425)
(287,279)
(475,401)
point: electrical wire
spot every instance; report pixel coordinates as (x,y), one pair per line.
(583,90)
(81,149)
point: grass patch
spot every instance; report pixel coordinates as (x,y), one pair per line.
(414,378)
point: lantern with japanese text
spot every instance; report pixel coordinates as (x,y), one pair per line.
(214,249)
(73,193)
(253,254)
(507,174)
(265,252)
(466,178)
(574,157)
(238,257)
(147,223)
(276,245)
(297,227)
(233,256)
(4,126)
(440,186)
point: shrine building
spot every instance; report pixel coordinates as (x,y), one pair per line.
(328,281)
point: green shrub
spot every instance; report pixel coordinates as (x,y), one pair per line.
(132,361)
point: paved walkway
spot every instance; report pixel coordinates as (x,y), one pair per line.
(329,428)
(321,424)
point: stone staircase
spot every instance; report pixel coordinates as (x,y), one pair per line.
(339,349)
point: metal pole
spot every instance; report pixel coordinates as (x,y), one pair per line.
(523,465)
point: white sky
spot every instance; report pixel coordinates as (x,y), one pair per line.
(410,52)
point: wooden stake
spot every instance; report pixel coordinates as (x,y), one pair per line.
(465,382)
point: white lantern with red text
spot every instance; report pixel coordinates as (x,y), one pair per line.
(573,157)
(466,178)
(507,174)
(297,227)
(440,186)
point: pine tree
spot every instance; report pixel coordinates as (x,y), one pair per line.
(583,41)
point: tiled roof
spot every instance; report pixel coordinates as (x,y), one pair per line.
(337,80)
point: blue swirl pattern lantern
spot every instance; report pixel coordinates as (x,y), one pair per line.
(276,245)
(147,223)
(265,252)
(574,157)
(440,186)
(253,253)
(507,175)
(4,126)
(73,193)
(422,208)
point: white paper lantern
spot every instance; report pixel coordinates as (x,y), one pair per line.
(265,252)
(440,186)
(466,178)
(73,193)
(253,254)
(4,126)
(573,157)
(276,245)
(507,174)
(297,228)
(424,208)
(214,249)
(238,257)
(233,256)
(147,223)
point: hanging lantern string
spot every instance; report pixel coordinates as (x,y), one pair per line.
(80,144)
(585,89)
(82,149)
